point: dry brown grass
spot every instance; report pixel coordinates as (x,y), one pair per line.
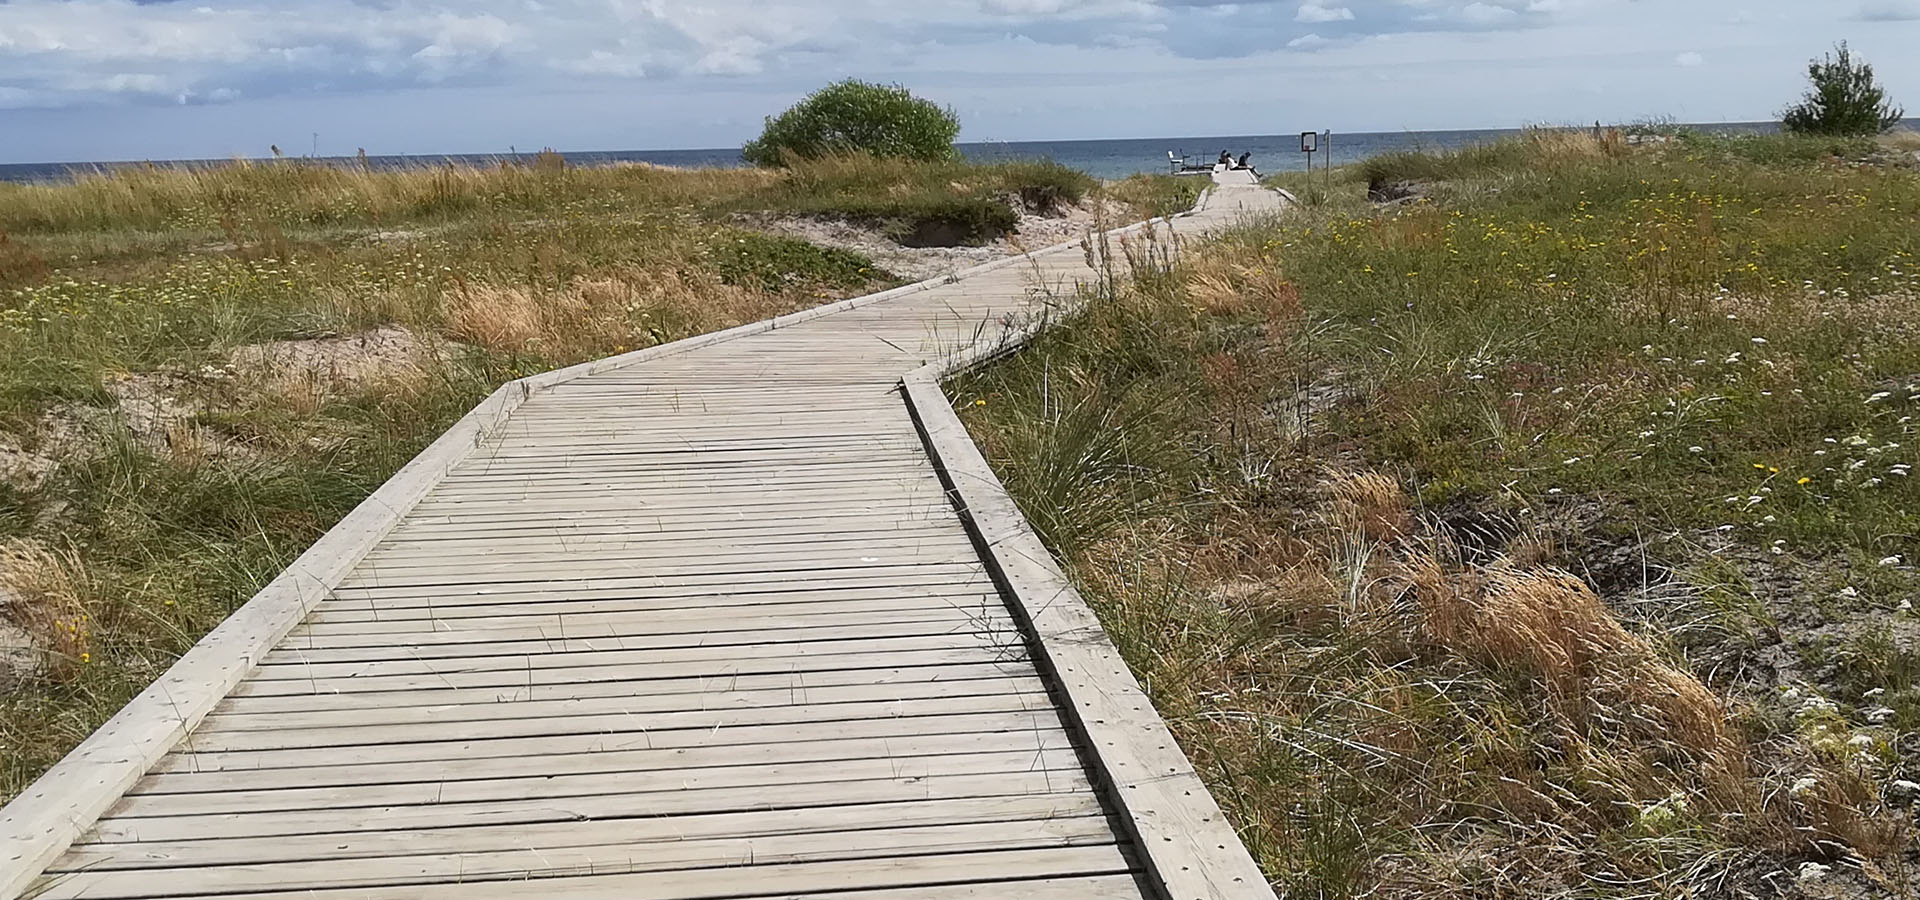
(1550,625)
(1217,284)
(498,318)
(1902,139)
(45,591)
(1564,146)
(609,313)
(19,264)
(1371,505)
(160,196)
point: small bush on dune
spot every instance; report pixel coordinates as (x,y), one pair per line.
(855,116)
(776,263)
(927,203)
(1044,186)
(1843,100)
(1156,195)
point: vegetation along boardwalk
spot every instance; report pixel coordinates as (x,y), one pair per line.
(742,616)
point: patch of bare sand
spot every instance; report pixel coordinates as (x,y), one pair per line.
(345,360)
(59,435)
(20,657)
(161,411)
(1035,232)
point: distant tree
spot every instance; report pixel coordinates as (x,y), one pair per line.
(1843,100)
(857,117)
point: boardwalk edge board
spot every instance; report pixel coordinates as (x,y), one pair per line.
(43,821)
(1189,848)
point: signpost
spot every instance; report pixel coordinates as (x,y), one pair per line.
(1309,144)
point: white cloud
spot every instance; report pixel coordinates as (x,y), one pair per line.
(88,51)
(1689,60)
(1890,11)
(1487,14)
(1314,12)
(194,77)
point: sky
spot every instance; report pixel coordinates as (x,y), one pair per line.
(139,79)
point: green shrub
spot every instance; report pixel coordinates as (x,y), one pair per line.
(1149,196)
(1778,149)
(925,204)
(777,263)
(1044,186)
(857,117)
(1843,100)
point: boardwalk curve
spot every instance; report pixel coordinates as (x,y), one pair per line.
(741,616)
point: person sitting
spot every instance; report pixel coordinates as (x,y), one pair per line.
(1226,159)
(1242,163)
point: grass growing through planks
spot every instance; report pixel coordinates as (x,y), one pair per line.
(202,369)
(1548,534)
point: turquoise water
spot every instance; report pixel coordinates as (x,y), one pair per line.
(1102,159)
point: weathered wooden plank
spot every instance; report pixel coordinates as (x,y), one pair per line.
(781,529)
(358,615)
(985,624)
(547,861)
(1067,873)
(740,497)
(626,623)
(186,760)
(510,560)
(290,668)
(635,832)
(221,741)
(532,679)
(996,684)
(892,747)
(740,567)
(596,806)
(452,792)
(662,687)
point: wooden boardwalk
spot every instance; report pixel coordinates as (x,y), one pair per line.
(739,617)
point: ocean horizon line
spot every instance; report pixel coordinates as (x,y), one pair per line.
(1101,157)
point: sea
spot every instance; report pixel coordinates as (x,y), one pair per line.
(1105,159)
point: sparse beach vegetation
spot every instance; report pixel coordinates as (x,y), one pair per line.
(1544,527)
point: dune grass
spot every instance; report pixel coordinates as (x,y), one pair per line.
(1548,535)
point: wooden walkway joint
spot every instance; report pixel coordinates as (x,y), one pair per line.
(723,618)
